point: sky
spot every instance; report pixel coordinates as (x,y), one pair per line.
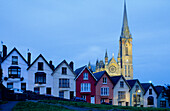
(82,30)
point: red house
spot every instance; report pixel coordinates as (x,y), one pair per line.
(104,88)
(85,84)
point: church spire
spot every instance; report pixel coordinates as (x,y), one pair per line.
(125,28)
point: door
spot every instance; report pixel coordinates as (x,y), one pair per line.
(71,94)
(93,100)
(48,91)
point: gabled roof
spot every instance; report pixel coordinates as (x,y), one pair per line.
(146,87)
(132,83)
(79,71)
(98,75)
(159,89)
(37,59)
(64,61)
(115,80)
(14,49)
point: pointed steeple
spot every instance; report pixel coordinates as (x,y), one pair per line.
(125,28)
(106,56)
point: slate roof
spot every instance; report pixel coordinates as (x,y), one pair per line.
(115,79)
(146,87)
(77,71)
(98,75)
(37,59)
(132,82)
(159,89)
(14,49)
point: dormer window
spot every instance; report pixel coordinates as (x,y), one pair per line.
(14,60)
(40,66)
(121,84)
(85,76)
(64,70)
(104,80)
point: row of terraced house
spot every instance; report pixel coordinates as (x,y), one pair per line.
(63,81)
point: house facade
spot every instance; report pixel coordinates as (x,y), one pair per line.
(162,99)
(40,79)
(64,81)
(136,93)
(104,88)
(85,84)
(14,69)
(121,95)
(150,95)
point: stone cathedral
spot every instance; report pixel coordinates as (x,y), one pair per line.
(123,65)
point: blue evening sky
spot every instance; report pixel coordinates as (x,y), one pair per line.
(81,31)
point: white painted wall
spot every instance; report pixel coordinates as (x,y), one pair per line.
(118,88)
(57,75)
(31,77)
(147,95)
(22,64)
(133,92)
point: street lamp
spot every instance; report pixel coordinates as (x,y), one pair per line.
(137,91)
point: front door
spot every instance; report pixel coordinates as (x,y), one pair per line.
(71,94)
(93,100)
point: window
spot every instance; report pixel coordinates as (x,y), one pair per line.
(138,98)
(83,96)
(9,85)
(150,91)
(110,101)
(121,84)
(85,76)
(40,78)
(162,104)
(128,70)
(14,60)
(40,66)
(64,83)
(14,72)
(104,80)
(125,71)
(48,90)
(37,90)
(64,70)
(102,100)
(104,91)
(150,100)
(61,94)
(23,86)
(137,87)
(85,87)
(121,95)
(126,50)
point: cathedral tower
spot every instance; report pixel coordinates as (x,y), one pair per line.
(125,49)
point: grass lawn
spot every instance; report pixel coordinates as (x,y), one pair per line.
(32,106)
(102,106)
(3,102)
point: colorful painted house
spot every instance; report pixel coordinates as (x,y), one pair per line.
(121,95)
(136,93)
(150,95)
(162,101)
(104,88)
(85,84)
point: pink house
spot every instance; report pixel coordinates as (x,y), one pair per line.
(85,84)
(104,88)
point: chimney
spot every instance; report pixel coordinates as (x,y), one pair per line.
(51,64)
(4,51)
(71,65)
(29,58)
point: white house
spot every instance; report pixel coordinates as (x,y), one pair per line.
(121,95)
(40,78)
(14,69)
(136,93)
(64,81)
(150,95)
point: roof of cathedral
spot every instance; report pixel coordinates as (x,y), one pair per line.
(159,89)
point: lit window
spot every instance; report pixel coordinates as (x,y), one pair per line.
(85,87)
(9,85)
(104,91)
(14,60)
(85,76)
(121,95)
(104,80)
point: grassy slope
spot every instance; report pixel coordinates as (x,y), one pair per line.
(103,107)
(27,106)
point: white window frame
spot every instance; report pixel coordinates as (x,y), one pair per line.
(105,80)
(85,87)
(85,76)
(104,91)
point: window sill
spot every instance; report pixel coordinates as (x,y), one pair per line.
(104,83)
